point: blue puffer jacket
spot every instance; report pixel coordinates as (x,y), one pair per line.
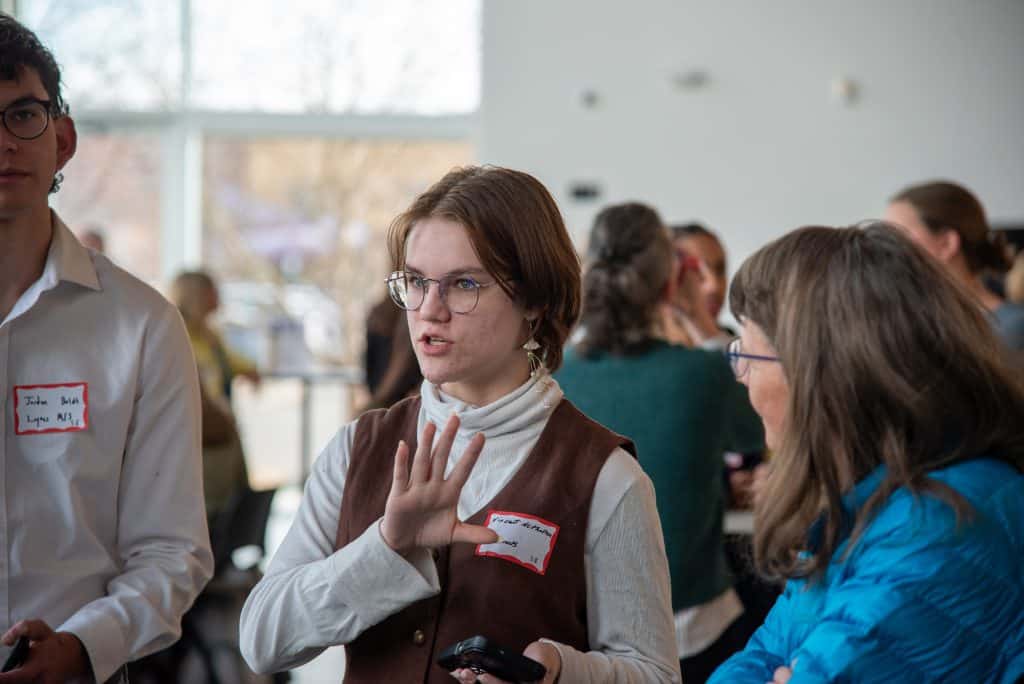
(919,599)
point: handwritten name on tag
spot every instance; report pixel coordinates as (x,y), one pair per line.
(51,408)
(526,540)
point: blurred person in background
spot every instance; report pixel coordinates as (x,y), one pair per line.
(694,312)
(225,474)
(949,222)
(93,238)
(680,405)
(1015,280)
(196,296)
(104,542)
(399,563)
(391,370)
(895,505)
(696,240)
(381,321)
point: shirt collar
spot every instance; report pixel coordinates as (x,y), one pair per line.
(68,260)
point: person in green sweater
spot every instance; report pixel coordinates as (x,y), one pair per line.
(681,406)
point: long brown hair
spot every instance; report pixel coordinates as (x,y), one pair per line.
(518,233)
(889,363)
(942,205)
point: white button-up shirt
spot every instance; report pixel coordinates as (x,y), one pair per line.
(102,523)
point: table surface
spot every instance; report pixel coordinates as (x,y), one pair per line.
(739,521)
(348,374)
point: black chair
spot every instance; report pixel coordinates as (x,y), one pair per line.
(242,524)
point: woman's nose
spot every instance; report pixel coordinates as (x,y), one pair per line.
(434,306)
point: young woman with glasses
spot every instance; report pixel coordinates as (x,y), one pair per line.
(895,505)
(489,505)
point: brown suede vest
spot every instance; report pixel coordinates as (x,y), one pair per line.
(508,603)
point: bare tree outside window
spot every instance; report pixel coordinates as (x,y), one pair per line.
(113,185)
(114,54)
(360,56)
(313,210)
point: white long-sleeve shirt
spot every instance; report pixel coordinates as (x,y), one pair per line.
(313,597)
(101,521)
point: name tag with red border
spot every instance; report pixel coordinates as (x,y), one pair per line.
(526,540)
(40,409)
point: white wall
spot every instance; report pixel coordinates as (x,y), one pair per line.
(763,147)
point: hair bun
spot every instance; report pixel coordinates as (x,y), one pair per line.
(630,257)
(606,253)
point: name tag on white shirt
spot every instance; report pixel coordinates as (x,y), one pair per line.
(526,540)
(51,408)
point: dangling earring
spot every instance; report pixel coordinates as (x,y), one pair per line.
(530,347)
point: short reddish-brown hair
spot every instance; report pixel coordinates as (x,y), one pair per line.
(518,233)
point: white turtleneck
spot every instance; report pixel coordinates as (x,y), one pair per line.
(313,597)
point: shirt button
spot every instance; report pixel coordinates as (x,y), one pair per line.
(418,637)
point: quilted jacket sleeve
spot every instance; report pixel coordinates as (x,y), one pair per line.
(922,598)
(767,648)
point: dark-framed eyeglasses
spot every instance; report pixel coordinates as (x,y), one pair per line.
(740,360)
(26,118)
(460,293)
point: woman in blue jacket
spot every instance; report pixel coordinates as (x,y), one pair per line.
(896,505)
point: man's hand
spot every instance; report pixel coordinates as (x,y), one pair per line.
(53,657)
(421,511)
(541,651)
(781,675)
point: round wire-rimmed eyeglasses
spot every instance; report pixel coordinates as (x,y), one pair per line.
(460,293)
(27,118)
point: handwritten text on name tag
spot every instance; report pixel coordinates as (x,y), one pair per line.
(526,540)
(51,408)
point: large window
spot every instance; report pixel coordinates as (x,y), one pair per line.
(358,56)
(271,143)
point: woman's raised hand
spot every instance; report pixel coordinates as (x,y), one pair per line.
(421,511)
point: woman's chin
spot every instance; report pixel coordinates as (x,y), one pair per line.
(438,377)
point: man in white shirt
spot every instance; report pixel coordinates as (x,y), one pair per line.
(103,540)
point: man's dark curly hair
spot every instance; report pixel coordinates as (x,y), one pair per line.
(21,49)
